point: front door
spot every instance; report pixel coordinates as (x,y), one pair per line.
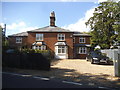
(61,52)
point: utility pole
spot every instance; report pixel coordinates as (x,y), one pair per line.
(4,32)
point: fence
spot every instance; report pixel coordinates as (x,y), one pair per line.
(114,54)
(26,61)
(111,53)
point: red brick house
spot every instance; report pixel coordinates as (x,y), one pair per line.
(63,43)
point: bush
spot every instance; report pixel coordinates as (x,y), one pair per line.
(45,53)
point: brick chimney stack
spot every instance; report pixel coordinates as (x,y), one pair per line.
(52,19)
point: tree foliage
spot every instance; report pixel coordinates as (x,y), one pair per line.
(103,29)
(5,43)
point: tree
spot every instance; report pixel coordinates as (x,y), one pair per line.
(5,44)
(101,24)
(117,25)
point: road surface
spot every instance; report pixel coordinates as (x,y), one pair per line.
(14,80)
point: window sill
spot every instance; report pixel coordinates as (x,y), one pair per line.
(61,40)
(82,42)
(82,53)
(18,42)
(61,53)
(39,40)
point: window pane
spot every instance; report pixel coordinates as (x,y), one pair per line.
(82,40)
(61,36)
(39,36)
(59,50)
(63,50)
(18,40)
(82,50)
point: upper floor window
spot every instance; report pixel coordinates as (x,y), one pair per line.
(61,37)
(18,39)
(82,40)
(39,37)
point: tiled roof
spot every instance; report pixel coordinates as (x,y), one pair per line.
(20,34)
(80,34)
(50,29)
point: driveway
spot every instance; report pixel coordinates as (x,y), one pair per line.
(79,71)
(82,66)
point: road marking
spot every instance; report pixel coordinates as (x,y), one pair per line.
(12,73)
(103,87)
(72,83)
(23,75)
(26,75)
(91,84)
(41,78)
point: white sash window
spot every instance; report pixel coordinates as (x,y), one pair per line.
(82,50)
(18,39)
(82,39)
(61,49)
(39,47)
(61,37)
(39,37)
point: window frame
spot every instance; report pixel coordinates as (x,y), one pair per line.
(62,50)
(82,40)
(43,47)
(39,36)
(82,50)
(18,39)
(60,37)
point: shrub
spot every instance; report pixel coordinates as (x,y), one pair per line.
(45,53)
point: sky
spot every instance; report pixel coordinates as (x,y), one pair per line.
(26,16)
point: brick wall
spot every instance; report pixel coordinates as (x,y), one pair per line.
(13,44)
(87,40)
(50,39)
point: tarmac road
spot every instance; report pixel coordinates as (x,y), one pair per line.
(14,80)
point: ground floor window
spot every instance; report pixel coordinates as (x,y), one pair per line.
(82,50)
(61,49)
(39,47)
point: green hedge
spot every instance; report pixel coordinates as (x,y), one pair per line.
(47,53)
(33,51)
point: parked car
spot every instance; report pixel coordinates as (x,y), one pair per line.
(10,51)
(97,57)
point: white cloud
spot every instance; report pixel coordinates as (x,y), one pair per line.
(102,0)
(18,27)
(27,29)
(2,25)
(80,24)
